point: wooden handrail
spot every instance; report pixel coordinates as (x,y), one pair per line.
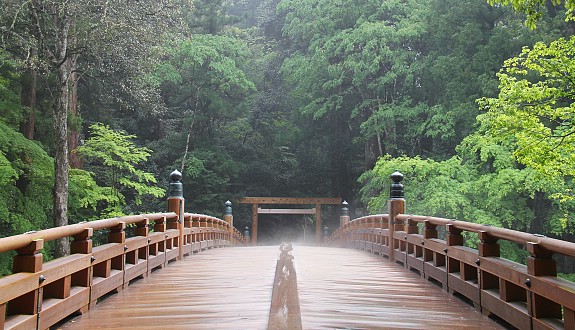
(77,281)
(38,294)
(548,243)
(20,241)
(525,296)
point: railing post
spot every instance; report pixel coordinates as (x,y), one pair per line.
(83,244)
(28,260)
(247,235)
(117,234)
(395,206)
(541,263)
(176,205)
(229,218)
(343,220)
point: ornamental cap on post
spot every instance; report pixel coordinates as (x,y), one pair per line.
(396,189)
(228,205)
(344,208)
(176,187)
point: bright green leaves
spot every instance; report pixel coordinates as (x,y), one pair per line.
(454,189)
(116,162)
(534,9)
(535,109)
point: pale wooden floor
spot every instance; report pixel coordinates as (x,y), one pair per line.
(231,289)
(216,289)
(351,289)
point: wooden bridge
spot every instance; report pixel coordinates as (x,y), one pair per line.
(192,271)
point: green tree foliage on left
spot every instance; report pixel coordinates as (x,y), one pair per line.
(26,179)
(114,161)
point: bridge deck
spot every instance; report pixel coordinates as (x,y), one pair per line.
(232,289)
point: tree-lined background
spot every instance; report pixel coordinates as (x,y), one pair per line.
(101,100)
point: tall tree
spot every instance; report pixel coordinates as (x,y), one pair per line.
(70,38)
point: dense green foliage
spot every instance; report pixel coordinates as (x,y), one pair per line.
(113,159)
(293,98)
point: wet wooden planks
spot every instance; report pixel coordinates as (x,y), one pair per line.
(216,289)
(231,289)
(350,289)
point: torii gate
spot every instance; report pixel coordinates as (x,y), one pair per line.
(257,201)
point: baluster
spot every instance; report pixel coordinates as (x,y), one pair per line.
(28,260)
(541,263)
(117,234)
(454,235)
(82,243)
(487,247)
(411,227)
(143,230)
(455,238)
(344,217)
(429,230)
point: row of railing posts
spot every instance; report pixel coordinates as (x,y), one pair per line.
(39,294)
(527,296)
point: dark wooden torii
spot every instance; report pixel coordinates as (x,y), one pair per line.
(257,201)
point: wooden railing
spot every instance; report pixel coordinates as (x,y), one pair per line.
(39,294)
(526,296)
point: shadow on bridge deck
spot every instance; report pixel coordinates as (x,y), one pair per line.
(231,289)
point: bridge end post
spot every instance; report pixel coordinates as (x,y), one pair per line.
(395,206)
(343,220)
(229,218)
(247,235)
(176,205)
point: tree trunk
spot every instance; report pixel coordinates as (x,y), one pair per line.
(61,160)
(541,206)
(60,125)
(74,128)
(28,99)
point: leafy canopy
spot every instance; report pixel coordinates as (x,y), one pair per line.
(116,161)
(534,8)
(535,109)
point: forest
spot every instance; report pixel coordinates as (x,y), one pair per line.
(471,100)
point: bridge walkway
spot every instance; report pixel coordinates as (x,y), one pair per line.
(231,288)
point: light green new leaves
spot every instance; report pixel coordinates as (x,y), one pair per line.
(535,108)
(116,160)
(534,8)
(453,189)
